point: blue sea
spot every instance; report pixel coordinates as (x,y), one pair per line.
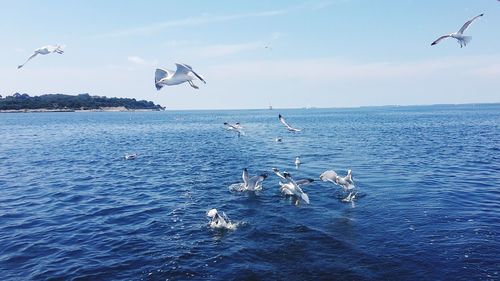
(428,208)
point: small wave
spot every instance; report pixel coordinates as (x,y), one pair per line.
(226,226)
(240,187)
(237,187)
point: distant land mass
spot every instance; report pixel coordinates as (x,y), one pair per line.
(85,102)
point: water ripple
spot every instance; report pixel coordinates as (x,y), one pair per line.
(74,209)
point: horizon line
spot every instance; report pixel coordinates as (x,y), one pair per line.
(343,107)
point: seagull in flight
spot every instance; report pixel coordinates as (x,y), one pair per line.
(253,183)
(236,128)
(49,49)
(346,182)
(288,127)
(183,73)
(292,187)
(462,40)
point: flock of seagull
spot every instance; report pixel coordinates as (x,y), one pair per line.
(288,186)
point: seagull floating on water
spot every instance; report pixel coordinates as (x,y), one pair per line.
(462,40)
(183,73)
(297,162)
(49,49)
(346,182)
(130,156)
(219,221)
(288,127)
(292,187)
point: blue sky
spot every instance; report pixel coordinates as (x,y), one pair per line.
(337,53)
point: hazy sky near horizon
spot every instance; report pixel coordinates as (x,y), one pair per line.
(325,53)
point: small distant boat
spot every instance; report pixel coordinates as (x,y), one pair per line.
(270,107)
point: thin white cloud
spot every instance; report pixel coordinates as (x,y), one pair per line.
(488,72)
(220,50)
(140,61)
(191,21)
(327,70)
(176,43)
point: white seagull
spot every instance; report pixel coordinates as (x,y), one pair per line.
(236,128)
(49,49)
(219,220)
(292,187)
(130,156)
(183,73)
(462,40)
(346,182)
(289,128)
(253,183)
(297,162)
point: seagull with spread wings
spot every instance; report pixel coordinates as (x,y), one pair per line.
(183,73)
(292,187)
(461,38)
(288,127)
(45,50)
(252,183)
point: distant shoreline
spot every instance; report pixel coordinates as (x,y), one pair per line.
(102,109)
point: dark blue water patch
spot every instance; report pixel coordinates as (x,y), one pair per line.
(427,208)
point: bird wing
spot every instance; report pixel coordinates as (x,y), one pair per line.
(277,172)
(285,188)
(440,39)
(467,24)
(161,74)
(32,56)
(245,177)
(186,69)
(328,176)
(304,181)
(230,126)
(349,177)
(297,191)
(51,48)
(254,181)
(283,121)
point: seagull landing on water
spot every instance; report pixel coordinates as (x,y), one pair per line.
(236,128)
(49,49)
(183,73)
(292,187)
(346,182)
(254,183)
(288,127)
(219,221)
(462,40)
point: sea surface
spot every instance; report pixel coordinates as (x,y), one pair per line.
(428,207)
